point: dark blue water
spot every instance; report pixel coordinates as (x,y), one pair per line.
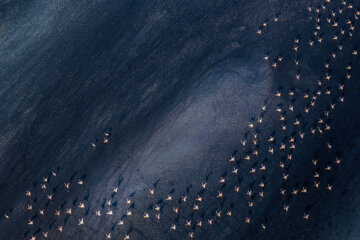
(175,84)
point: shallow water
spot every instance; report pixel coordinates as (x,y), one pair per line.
(175,84)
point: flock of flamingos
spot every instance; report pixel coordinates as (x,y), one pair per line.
(292,108)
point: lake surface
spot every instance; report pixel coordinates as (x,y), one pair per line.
(175,86)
